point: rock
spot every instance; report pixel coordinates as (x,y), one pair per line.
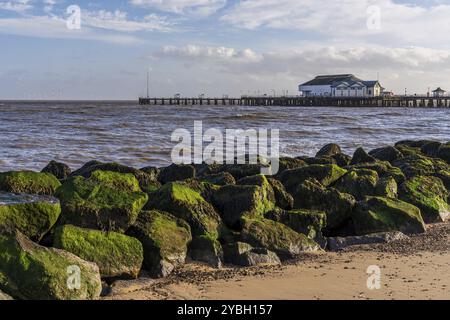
(116,255)
(340,243)
(286,163)
(337,205)
(276,237)
(206,189)
(379,214)
(358,182)
(28,182)
(5,297)
(342,160)
(283,199)
(206,249)
(329,150)
(239,171)
(244,255)
(384,170)
(308,222)
(221,179)
(33,215)
(361,156)
(107,201)
(60,170)
(187,204)
(408,150)
(325,174)
(386,154)
(413,143)
(165,239)
(429,195)
(176,172)
(233,202)
(419,165)
(444,175)
(147,181)
(431,149)
(318,160)
(444,152)
(387,187)
(32,272)
(153,172)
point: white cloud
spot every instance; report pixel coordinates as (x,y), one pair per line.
(411,67)
(55,27)
(16,5)
(406,23)
(196,7)
(118,21)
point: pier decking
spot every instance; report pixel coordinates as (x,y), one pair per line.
(395,101)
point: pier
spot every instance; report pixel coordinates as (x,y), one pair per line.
(298,101)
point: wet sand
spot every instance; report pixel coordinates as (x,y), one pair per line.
(416,268)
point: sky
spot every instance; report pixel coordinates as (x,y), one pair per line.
(59,49)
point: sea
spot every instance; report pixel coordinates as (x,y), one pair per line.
(75,132)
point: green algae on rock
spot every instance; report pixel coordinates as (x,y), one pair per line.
(165,239)
(358,182)
(60,170)
(116,255)
(235,201)
(383,168)
(29,182)
(337,205)
(31,272)
(185,203)
(429,195)
(325,174)
(380,214)
(207,249)
(33,215)
(308,222)
(276,237)
(282,198)
(108,201)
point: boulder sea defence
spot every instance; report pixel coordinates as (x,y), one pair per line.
(116,222)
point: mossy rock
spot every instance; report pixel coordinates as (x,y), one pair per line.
(380,214)
(244,255)
(387,187)
(418,165)
(358,182)
(233,202)
(444,175)
(147,181)
(384,170)
(165,239)
(33,215)
(308,222)
(408,149)
(185,203)
(287,163)
(107,201)
(318,160)
(176,172)
(429,195)
(204,188)
(116,255)
(337,205)
(329,150)
(221,179)
(342,160)
(386,154)
(361,156)
(431,149)
(276,237)
(32,272)
(325,174)
(207,249)
(29,182)
(60,170)
(283,199)
(444,152)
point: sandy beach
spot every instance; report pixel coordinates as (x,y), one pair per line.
(416,268)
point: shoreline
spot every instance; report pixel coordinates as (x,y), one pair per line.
(415,268)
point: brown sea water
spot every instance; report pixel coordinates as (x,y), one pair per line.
(33,133)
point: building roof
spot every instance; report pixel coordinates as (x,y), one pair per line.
(330,79)
(439,90)
(335,80)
